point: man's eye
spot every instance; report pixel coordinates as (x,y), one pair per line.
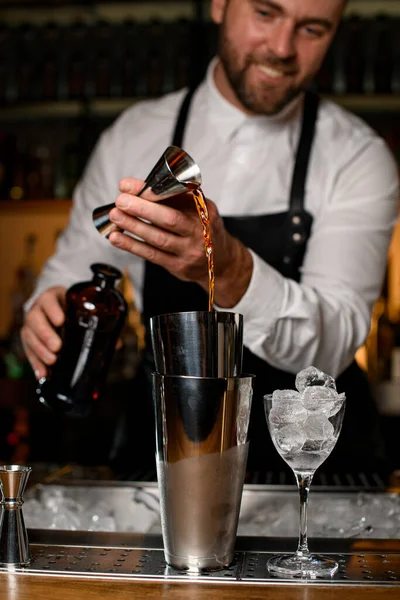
(264,13)
(313,31)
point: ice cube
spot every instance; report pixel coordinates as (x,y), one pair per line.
(312,446)
(284,412)
(289,438)
(274,417)
(313,376)
(285,395)
(317,427)
(320,399)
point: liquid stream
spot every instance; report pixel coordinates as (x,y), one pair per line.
(202,211)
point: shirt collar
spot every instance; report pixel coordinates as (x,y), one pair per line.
(227,119)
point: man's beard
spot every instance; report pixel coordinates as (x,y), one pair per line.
(263,100)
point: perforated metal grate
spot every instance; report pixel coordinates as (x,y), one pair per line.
(133,563)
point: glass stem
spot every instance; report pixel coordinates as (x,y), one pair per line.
(303,483)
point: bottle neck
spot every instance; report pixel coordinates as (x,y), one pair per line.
(103,282)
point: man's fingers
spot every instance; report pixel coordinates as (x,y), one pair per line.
(141,249)
(37,321)
(130,185)
(51,304)
(158,214)
(38,367)
(33,346)
(155,236)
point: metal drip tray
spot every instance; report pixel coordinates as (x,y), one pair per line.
(248,567)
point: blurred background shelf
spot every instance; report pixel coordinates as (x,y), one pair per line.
(56,206)
(104,107)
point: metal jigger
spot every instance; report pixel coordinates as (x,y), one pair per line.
(14,545)
(174,174)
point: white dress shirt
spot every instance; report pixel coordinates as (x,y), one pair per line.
(247,164)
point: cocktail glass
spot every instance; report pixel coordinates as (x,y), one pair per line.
(304,432)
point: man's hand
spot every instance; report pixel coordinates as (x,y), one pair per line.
(173,238)
(39,337)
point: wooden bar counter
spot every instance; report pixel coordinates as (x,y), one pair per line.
(26,587)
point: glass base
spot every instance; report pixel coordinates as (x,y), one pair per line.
(307,567)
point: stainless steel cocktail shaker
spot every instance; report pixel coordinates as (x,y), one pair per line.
(202,407)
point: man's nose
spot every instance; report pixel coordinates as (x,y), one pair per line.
(281,41)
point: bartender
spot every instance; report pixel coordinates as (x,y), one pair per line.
(302,201)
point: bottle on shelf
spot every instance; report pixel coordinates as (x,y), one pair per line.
(18,187)
(77,61)
(155,63)
(130,65)
(179,69)
(354,57)
(101,71)
(7,157)
(50,60)
(95,313)
(383,59)
(396,53)
(66,170)
(7,66)
(39,173)
(27,63)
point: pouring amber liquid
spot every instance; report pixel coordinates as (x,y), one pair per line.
(202,210)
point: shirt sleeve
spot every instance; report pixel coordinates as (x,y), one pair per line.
(325,318)
(80,244)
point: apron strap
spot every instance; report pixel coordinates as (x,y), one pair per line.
(299,220)
(298,190)
(180,124)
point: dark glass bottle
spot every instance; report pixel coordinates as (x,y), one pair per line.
(95,313)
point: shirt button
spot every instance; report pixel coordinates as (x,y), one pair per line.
(297,237)
(296,220)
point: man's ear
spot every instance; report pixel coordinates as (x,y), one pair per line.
(217,10)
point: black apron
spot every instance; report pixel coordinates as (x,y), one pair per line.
(281,240)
